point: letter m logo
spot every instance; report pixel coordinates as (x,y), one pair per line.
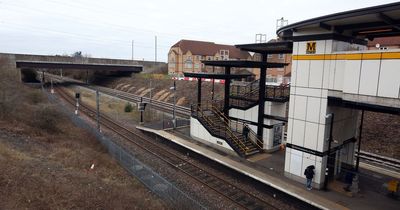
(311,47)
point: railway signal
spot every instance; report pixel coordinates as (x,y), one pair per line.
(141,108)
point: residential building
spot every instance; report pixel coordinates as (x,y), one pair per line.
(277,75)
(186,56)
(384,43)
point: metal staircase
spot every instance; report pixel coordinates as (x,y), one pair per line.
(247,96)
(214,120)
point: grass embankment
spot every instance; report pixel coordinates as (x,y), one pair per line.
(45,160)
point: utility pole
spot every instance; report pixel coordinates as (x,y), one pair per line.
(173,111)
(155,52)
(133,49)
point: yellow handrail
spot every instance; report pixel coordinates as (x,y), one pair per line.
(229,132)
(221,114)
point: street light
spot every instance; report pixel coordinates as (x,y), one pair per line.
(330,139)
(173,111)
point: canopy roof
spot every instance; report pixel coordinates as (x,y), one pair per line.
(244,64)
(276,47)
(215,75)
(370,22)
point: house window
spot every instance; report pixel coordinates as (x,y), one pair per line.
(189,63)
(196,65)
(224,54)
(281,56)
(269,56)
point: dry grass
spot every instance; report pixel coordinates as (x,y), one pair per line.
(45,160)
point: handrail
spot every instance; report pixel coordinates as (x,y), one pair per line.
(227,130)
(227,121)
(244,89)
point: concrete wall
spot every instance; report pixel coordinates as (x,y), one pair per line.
(197,131)
(270,108)
(8,65)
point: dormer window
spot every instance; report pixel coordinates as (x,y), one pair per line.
(224,54)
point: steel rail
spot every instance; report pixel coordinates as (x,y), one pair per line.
(224,188)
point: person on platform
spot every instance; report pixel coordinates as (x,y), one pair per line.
(309,173)
(246,132)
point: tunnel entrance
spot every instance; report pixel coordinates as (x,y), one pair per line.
(29,76)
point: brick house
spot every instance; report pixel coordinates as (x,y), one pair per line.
(277,75)
(186,56)
(384,43)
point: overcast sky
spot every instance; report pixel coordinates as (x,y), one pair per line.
(106,28)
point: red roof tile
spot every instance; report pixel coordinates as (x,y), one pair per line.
(385,41)
(209,49)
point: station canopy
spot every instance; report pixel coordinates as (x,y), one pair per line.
(244,64)
(215,75)
(370,22)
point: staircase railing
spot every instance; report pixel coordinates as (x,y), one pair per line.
(226,131)
(277,92)
(239,126)
(246,90)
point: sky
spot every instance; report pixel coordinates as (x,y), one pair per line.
(106,29)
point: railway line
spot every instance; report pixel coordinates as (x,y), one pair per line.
(379,160)
(228,190)
(159,105)
(185,112)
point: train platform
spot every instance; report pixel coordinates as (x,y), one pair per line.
(268,169)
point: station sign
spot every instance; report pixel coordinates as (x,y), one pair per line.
(311,47)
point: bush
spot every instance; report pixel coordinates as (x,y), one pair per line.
(47,118)
(128,107)
(35,97)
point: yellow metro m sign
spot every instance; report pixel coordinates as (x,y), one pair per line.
(311,47)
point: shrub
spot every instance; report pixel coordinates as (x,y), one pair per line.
(128,107)
(46,118)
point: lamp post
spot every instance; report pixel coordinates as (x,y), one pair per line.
(173,111)
(330,139)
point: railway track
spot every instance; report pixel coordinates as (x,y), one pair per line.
(228,190)
(159,105)
(379,160)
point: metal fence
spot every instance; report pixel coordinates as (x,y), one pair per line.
(156,183)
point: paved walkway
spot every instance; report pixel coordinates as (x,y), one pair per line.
(268,169)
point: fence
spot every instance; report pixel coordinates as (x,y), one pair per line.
(153,181)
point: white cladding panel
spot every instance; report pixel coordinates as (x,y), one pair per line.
(313,109)
(325,73)
(389,79)
(369,77)
(316,71)
(339,74)
(302,74)
(320,47)
(352,76)
(311,136)
(298,132)
(296,161)
(300,107)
